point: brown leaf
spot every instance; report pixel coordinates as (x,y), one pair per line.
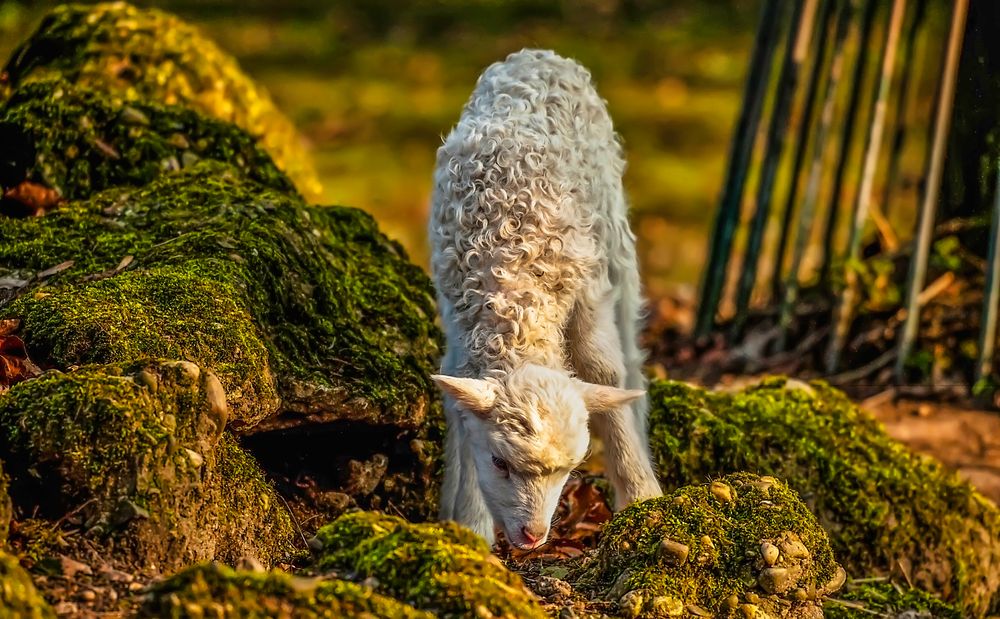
(15,366)
(29,199)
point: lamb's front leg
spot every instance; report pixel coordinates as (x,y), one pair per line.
(596,355)
(461,499)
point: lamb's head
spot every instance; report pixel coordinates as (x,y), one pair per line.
(527,431)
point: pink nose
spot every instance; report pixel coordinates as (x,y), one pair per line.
(532,536)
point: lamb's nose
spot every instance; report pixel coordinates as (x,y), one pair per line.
(531,536)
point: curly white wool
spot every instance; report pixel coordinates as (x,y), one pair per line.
(535,267)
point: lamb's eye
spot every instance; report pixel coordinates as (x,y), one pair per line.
(501,466)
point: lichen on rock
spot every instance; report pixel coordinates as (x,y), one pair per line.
(18,597)
(214,590)
(886,599)
(79,141)
(141,452)
(738,546)
(883,506)
(151,56)
(438,567)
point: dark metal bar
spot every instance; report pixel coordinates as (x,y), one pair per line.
(805,222)
(799,36)
(809,110)
(908,86)
(847,133)
(741,150)
(935,168)
(844,309)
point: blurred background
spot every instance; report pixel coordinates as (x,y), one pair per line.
(375,84)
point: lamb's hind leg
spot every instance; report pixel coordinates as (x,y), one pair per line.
(597,357)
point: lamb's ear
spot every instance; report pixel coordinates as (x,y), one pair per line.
(603,399)
(474,394)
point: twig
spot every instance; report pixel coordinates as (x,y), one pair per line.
(935,169)
(844,310)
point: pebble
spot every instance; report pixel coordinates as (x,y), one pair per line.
(770,553)
(775,580)
(630,604)
(794,549)
(135,586)
(674,553)
(721,491)
(87,595)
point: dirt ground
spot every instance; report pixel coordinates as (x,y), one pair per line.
(965,439)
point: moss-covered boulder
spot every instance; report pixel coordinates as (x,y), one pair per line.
(18,597)
(438,567)
(736,547)
(306,311)
(346,318)
(141,453)
(218,591)
(885,599)
(146,55)
(886,509)
(78,141)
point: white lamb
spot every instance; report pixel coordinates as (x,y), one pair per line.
(539,295)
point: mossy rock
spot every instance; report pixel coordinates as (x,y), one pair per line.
(141,452)
(218,591)
(346,318)
(885,599)
(146,55)
(79,141)
(736,547)
(18,597)
(438,567)
(886,509)
(307,311)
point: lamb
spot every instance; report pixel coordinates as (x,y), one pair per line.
(538,290)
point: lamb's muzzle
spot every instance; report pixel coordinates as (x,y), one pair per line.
(538,289)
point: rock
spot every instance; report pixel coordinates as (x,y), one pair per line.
(322,319)
(674,553)
(769,553)
(730,536)
(438,567)
(74,139)
(103,438)
(885,599)
(882,505)
(146,55)
(18,596)
(218,591)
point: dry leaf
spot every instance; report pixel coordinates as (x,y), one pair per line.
(29,199)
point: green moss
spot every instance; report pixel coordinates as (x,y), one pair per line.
(163,311)
(346,318)
(439,567)
(880,504)
(709,546)
(80,141)
(218,591)
(149,55)
(18,597)
(139,449)
(884,599)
